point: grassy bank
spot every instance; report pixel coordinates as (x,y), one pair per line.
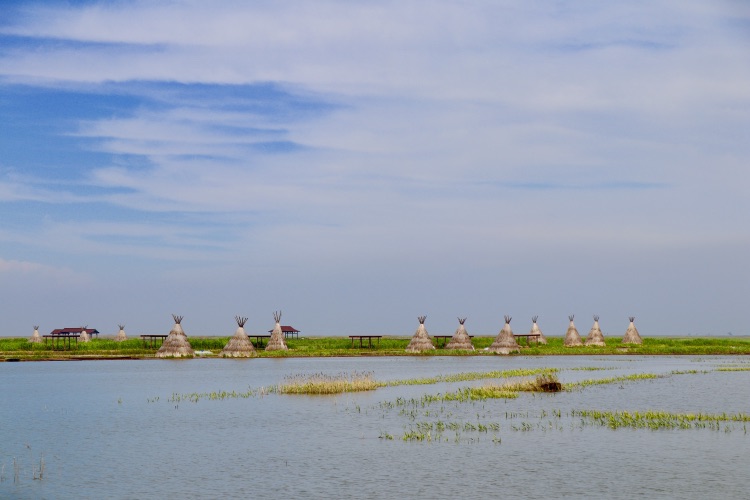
(21,349)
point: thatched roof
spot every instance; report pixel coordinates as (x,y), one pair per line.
(505,342)
(176,345)
(35,337)
(239,346)
(421,340)
(535,330)
(572,337)
(277,342)
(460,339)
(121,334)
(631,335)
(595,336)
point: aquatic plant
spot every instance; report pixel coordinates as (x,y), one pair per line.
(194,397)
(469,376)
(321,383)
(659,419)
(612,380)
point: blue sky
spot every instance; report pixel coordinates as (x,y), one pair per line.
(358,164)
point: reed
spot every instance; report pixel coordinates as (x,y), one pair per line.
(38,473)
(321,383)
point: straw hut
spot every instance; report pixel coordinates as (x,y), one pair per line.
(631,335)
(595,336)
(85,337)
(121,334)
(572,337)
(35,337)
(421,341)
(239,346)
(176,345)
(460,339)
(541,339)
(505,342)
(277,342)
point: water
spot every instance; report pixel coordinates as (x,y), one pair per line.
(102,434)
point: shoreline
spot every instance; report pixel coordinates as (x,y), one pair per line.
(19,349)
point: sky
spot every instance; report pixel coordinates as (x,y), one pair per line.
(356,164)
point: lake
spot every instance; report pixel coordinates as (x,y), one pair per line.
(112,429)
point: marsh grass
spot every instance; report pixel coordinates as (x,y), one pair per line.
(660,419)
(469,376)
(194,397)
(613,380)
(321,383)
(353,382)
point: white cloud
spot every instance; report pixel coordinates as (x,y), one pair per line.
(56,276)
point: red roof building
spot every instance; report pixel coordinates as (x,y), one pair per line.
(288,331)
(74,330)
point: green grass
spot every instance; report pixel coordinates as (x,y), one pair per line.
(20,348)
(468,376)
(613,380)
(660,419)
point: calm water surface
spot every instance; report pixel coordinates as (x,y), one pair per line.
(107,429)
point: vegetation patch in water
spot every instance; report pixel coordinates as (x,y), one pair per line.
(194,397)
(660,419)
(613,380)
(469,376)
(321,383)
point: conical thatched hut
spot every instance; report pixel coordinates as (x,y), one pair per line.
(85,337)
(239,346)
(35,337)
(460,339)
(631,335)
(277,341)
(421,341)
(572,337)
(505,342)
(176,345)
(121,334)
(595,336)
(541,339)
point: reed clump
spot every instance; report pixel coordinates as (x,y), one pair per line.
(544,382)
(321,383)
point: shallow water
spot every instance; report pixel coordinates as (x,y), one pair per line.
(102,433)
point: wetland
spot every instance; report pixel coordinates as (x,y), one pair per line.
(420,427)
